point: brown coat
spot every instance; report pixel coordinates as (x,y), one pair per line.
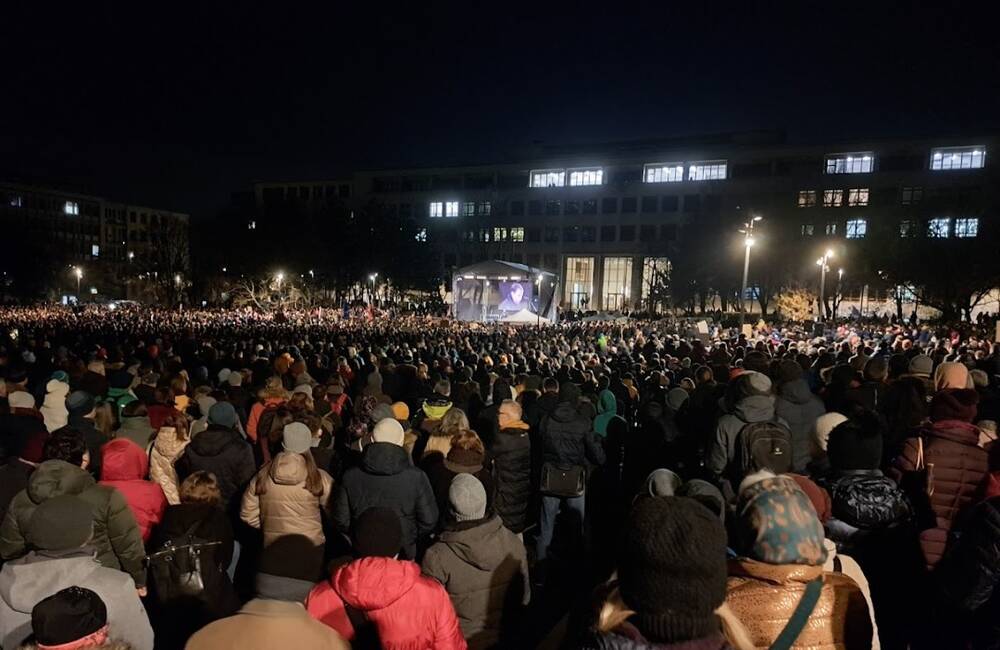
(287,507)
(952,447)
(764,597)
(264,625)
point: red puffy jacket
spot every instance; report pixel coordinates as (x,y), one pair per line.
(124,466)
(409,611)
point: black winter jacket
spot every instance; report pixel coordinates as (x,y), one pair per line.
(386,479)
(511,453)
(568,438)
(224,453)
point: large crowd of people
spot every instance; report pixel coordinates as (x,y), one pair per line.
(227,479)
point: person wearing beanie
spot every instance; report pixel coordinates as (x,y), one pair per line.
(81,407)
(751,402)
(511,454)
(921,366)
(951,444)
(386,477)
(221,450)
(378,600)
(75,617)
(120,389)
(466,456)
(671,584)
(290,493)
(568,441)
(818,463)
(799,407)
(116,537)
(388,429)
(17,469)
(22,423)
(53,407)
(59,532)
(482,565)
(270,397)
(781,545)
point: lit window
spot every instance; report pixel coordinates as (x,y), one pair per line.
(850,163)
(468,209)
(664,173)
(938,228)
(517,234)
(578,177)
(833,198)
(251,225)
(499,234)
(967,227)
(548,178)
(958,158)
(857,196)
(807,198)
(831,228)
(907,228)
(485,208)
(807,230)
(451,209)
(710,170)
(856,228)
(16,201)
(71,207)
(911,195)
(95,250)
(436,209)
(421,235)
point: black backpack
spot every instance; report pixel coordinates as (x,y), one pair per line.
(868,501)
(179,568)
(762,445)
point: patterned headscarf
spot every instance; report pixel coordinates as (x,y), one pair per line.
(362,423)
(778,524)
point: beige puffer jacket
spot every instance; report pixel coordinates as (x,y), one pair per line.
(286,507)
(166,450)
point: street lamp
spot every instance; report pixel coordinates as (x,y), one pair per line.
(78,272)
(279,276)
(823,264)
(747,244)
(131,255)
(372,278)
(839,298)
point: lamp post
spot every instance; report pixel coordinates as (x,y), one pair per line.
(838,298)
(823,264)
(372,277)
(78,272)
(747,244)
(538,296)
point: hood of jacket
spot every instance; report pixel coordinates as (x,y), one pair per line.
(481,545)
(956,431)
(213,440)
(755,408)
(167,444)
(57,477)
(288,469)
(27,581)
(55,397)
(435,408)
(606,403)
(384,459)
(565,412)
(374,582)
(123,460)
(795,391)
(776,574)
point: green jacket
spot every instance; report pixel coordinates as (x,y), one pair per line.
(116,535)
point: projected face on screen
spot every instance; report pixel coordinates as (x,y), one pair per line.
(516,296)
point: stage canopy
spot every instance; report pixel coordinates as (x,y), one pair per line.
(495,290)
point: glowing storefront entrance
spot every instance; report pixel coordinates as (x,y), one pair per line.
(579,282)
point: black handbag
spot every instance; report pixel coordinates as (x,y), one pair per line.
(564,482)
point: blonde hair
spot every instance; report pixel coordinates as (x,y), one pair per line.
(454,421)
(201,487)
(614,613)
(104,418)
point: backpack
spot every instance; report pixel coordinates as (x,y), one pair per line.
(868,501)
(177,569)
(763,445)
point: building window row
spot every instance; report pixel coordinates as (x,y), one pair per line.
(557,177)
(937,228)
(958,158)
(850,163)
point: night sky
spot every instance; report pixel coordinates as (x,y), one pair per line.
(178,108)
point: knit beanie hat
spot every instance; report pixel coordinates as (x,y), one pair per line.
(569,392)
(296,438)
(788,370)
(979,378)
(954,405)
(707,495)
(70,616)
(382,412)
(777,524)
(467,497)
(757,383)
(824,425)
(951,374)
(400,411)
(662,483)
(120,379)
(60,375)
(79,402)
(60,523)
(378,533)
(20,400)
(818,497)
(921,365)
(235,378)
(389,430)
(876,369)
(676,398)
(222,414)
(852,446)
(672,568)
